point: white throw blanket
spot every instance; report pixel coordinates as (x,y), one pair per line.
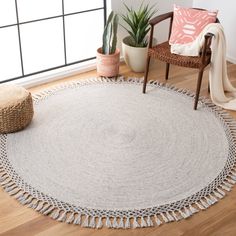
(222,92)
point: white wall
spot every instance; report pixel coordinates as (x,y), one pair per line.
(227,17)
(163,6)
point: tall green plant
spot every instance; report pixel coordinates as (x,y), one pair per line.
(138,24)
(110,34)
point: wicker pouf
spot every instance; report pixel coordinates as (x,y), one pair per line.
(16,108)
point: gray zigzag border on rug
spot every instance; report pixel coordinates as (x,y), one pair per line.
(95,218)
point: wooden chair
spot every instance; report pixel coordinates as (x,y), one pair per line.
(162,52)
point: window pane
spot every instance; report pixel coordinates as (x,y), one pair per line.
(7,12)
(76,5)
(42,45)
(83,35)
(10,65)
(37,9)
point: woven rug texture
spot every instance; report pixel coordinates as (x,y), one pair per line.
(101,153)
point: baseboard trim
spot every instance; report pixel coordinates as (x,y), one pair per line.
(231,59)
(32,81)
(29,82)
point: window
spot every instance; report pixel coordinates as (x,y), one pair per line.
(41,35)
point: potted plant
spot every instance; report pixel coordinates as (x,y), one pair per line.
(135,46)
(108,56)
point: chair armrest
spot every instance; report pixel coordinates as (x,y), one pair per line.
(206,46)
(157,20)
(160,18)
(208,37)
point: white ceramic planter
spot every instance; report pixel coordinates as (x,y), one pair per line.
(134,57)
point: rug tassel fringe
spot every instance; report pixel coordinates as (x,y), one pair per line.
(213,199)
(175,216)
(232,181)
(49,210)
(227,185)
(193,209)
(221,192)
(121,223)
(92,223)
(164,218)
(99,224)
(11,191)
(157,220)
(40,206)
(85,224)
(28,200)
(62,217)
(45,208)
(187,212)
(115,223)
(55,214)
(204,204)
(8,185)
(169,216)
(209,201)
(77,220)
(143,223)
(19,196)
(71,218)
(217,194)
(149,222)
(127,223)
(5,182)
(233,176)
(33,204)
(23,199)
(182,213)
(108,223)
(135,223)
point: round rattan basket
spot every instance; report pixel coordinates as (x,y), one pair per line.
(16,109)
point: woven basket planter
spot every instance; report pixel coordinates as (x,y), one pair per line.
(17,115)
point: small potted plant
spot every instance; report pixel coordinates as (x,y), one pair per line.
(135,46)
(108,56)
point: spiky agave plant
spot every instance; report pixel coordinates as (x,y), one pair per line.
(110,34)
(138,24)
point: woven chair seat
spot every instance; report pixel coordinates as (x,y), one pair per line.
(162,52)
(16,108)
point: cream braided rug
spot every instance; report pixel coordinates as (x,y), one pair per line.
(99,152)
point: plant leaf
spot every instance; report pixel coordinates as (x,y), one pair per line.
(115,27)
(138,23)
(105,32)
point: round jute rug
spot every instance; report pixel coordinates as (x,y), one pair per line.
(99,152)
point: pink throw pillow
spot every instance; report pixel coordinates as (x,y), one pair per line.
(188,24)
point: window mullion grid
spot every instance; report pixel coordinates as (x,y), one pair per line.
(64,33)
(19,38)
(64,38)
(105,11)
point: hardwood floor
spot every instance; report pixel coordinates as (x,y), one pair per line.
(218,220)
